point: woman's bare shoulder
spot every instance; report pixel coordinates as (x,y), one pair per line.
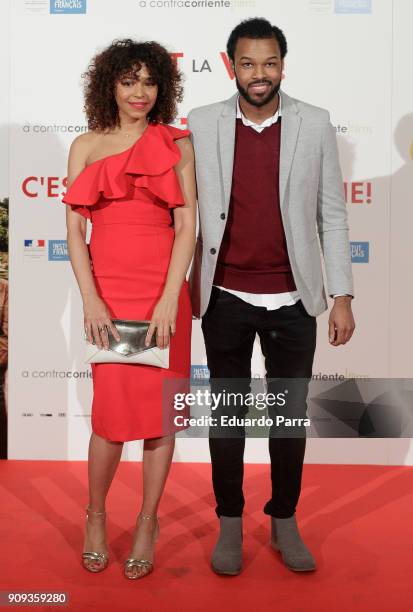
(82,144)
(79,153)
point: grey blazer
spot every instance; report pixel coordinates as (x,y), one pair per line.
(312,201)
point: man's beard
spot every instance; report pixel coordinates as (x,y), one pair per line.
(258,103)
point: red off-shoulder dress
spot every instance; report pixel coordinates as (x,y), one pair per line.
(128,197)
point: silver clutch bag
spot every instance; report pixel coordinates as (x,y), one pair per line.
(130,348)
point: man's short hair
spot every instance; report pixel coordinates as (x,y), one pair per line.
(256,28)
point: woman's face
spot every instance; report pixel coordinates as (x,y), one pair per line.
(136,93)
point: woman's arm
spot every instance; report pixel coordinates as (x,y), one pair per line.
(96,314)
(165,312)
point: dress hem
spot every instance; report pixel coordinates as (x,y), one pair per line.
(145,437)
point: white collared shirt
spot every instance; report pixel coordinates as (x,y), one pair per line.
(271,301)
(258,127)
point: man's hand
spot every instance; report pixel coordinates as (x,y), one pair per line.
(341,321)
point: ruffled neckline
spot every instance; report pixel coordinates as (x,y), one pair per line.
(149,163)
(102,159)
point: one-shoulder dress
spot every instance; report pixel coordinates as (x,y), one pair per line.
(128,197)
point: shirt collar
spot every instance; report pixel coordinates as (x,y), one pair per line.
(264,124)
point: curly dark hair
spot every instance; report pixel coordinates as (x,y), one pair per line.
(256,28)
(118,60)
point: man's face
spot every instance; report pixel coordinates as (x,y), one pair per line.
(258,69)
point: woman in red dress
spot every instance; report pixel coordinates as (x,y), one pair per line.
(132,175)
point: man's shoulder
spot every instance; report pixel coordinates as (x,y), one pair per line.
(213,110)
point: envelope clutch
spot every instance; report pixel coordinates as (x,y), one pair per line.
(130,348)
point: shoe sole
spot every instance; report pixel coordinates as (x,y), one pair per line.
(225,572)
(294,569)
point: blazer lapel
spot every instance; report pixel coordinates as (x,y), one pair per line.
(226,143)
(290,126)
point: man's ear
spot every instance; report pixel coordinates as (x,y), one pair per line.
(282,70)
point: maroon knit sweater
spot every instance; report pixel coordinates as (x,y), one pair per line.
(253,255)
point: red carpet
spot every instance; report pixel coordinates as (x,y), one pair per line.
(356,520)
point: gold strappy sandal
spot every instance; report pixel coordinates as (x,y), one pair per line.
(138,568)
(91,560)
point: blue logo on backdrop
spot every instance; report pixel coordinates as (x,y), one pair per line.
(199,375)
(58,250)
(72,7)
(352,6)
(359,252)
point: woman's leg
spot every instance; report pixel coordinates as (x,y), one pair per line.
(104,457)
(157,457)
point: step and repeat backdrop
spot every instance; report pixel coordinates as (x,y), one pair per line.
(352,57)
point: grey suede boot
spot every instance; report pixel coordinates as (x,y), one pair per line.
(286,538)
(227,555)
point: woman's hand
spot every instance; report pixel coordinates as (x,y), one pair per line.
(163,320)
(96,321)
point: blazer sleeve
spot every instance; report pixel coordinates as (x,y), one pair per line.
(332,219)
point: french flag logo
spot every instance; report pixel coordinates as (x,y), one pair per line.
(34,243)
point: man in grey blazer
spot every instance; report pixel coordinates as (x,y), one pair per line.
(270,192)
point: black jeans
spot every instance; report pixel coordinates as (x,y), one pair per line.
(288,340)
